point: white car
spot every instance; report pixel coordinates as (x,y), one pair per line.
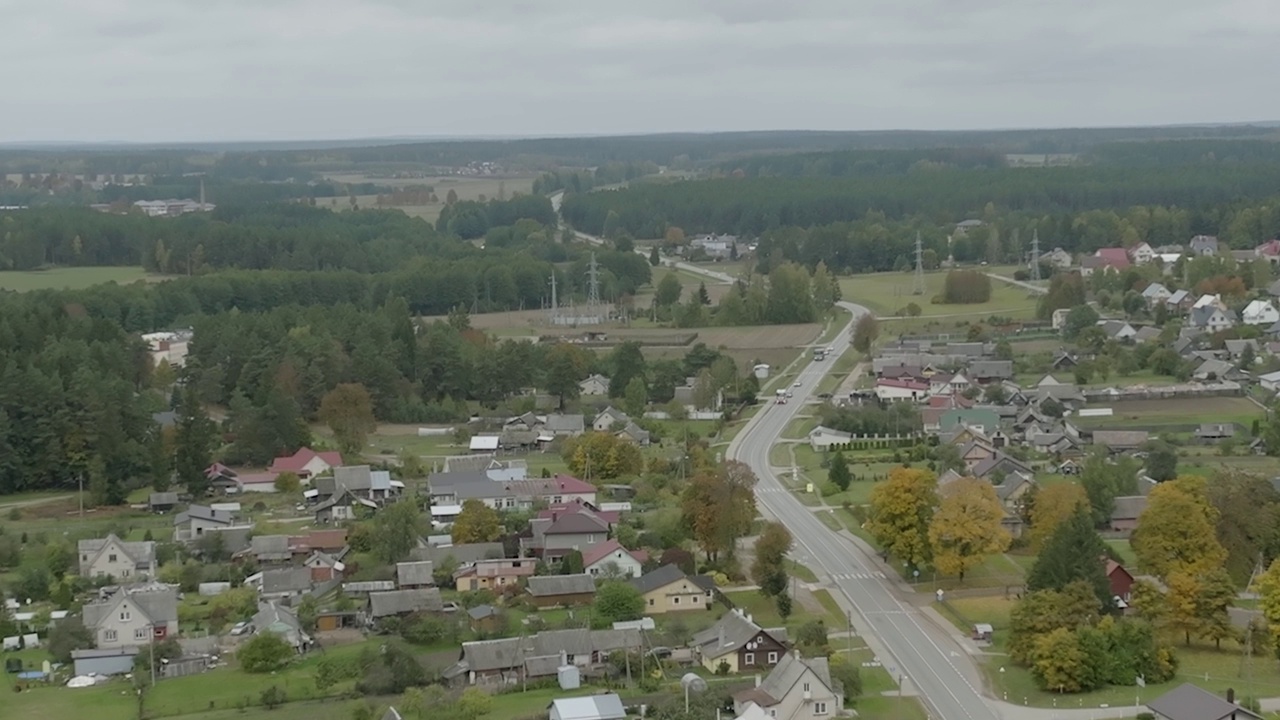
(240,628)
(795,384)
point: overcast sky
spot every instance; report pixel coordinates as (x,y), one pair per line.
(169,70)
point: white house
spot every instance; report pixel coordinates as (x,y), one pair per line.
(1142,254)
(133,616)
(610,418)
(1211,318)
(823,438)
(597,384)
(115,558)
(1260,312)
(796,688)
(1270,381)
(891,389)
(1204,245)
(610,559)
(1156,293)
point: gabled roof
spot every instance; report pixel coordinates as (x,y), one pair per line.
(297,461)
(142,552)
(575,524)
(1115,257)
(157,601)
(1120,439)
(1177,297)
(600,551)
(270,547)
(728,634)
(784,676)
(162,498)
(1155,290)
(592,707)
(399,602)
(415,573)
(614,414)
(463,554)
(286,580)
(553,585)
(987,369)
(1188,702)
(635,432)
(1128,507)
(565,423)
(660,578)
(489,655)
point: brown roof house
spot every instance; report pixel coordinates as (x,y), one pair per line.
(1125,513)
(796,688)
(397,603)
(738,643)
(668,589)
(557,536)
(413,575)
(562,590)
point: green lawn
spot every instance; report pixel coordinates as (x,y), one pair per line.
(765,613)
(889,293)
(1201,665)
(70,278)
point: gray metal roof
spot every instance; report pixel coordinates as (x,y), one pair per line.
(286,580)
(788,672)
(415,573)
(163,498)
(1188,702)
(463,554)
(142,552)
(661,577)
(553,585)
(399,602)
(1128,507)
(590,707)
(270,547)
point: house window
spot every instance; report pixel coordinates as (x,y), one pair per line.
(819,708)
(140,634)
(806,687)
(556,500)
(773,658)
(124,616)
(675,600)
(111,558)
(749,659)
(108,635)
(650,602)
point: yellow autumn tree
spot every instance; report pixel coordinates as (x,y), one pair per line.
(901,508)
(1268,588)
(966,527)
(1059,662)
(1053,505)
(1177,531)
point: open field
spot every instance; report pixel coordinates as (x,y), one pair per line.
(1174,412)
(1201,665)
(72,278)
(886,294)
(466,187)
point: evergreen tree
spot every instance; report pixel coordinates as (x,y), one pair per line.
(654,258)
(194,443)
(703,296)
(838,472)
(1074,552)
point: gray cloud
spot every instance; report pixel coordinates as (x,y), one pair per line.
(289,69)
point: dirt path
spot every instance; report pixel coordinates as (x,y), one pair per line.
(37,501)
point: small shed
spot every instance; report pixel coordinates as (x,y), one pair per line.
(162,502)
(111,661)
(982,632)
(606,706)
(485,618)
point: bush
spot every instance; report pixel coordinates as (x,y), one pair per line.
(273,697)
(266,652)
(964,287)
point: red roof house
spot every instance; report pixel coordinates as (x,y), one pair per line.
(1117,258)
(1121,580)
(307,463)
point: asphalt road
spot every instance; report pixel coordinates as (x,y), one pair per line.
(921,654)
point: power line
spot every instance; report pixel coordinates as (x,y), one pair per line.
(1035,256)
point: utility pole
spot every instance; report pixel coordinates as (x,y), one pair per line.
(918,287)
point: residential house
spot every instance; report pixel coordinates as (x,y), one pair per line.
(610,418)
(1212,369)
(1091,264)
(1269,251)
(823,438)
(1146,334)
(611,559)
(330,541)
(605,706)
(460,555)
(1211,318)
(269,550)
(998,466)
(494,574)
(1188,702)
(1113,258)
(557,536)
(1204,245)
(415,575)
(561,590)
(976,451)
(1270,381)
(307,463)
(795,688)
(981,419)
(1142,253)
(508,661)
(1260,312)
(132,616)
(1125,513)
(281,583)
(595,384)
(1056,258)
(1236,348)
(114,558)
(485,618)
(685,395)
(456,488)
(162,502)
(1119,441)
(558,425)
(360,481)
(634,434)
(896,390)
(1156,293)
(738,643)
(985,372)
(484,443)
(324,567)
(1179,301)
(1118,330)
(273,617)
(1120,579)
(668,589)
(344,504)
(398,603)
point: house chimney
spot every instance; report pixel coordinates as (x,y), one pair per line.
(749,619)
(1231,695)
(721,637)
(757,679)
(564,658)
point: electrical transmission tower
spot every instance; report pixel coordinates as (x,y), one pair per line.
(918,287)
(1035,257)
(593,287)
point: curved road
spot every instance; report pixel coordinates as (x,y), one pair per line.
(915,646)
